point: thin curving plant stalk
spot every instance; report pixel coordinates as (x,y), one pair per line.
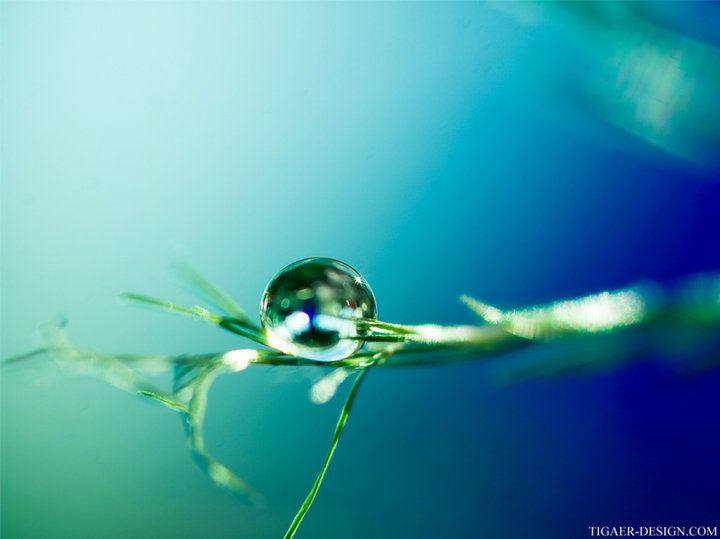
(304,326)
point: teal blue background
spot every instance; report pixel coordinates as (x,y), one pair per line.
(431,146)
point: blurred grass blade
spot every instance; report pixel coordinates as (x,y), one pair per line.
(218,473)
(324,389)
(596,313)
(25,357)
(212,293)
(104,366)
(172,404)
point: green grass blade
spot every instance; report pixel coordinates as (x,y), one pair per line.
(195,311)
(373,326)
(218,472)
(212,293)
(342,420)
(233,325)
(172,404)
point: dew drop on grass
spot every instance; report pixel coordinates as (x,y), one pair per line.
(311,308)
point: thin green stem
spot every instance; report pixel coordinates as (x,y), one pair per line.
(212,293)
(241,327)
(166,401)
(342,420)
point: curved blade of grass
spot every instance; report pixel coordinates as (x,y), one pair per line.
(195,415)
(342,420)
(233,325)
(212,293)
(104,366)
(195,311)
(165,401)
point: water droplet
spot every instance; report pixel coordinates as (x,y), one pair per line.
(311,307)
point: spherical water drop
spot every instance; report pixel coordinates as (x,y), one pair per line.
(310,309)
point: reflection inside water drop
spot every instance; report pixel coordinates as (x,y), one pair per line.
(311,307)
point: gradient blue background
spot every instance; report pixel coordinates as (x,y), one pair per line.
(428,145)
